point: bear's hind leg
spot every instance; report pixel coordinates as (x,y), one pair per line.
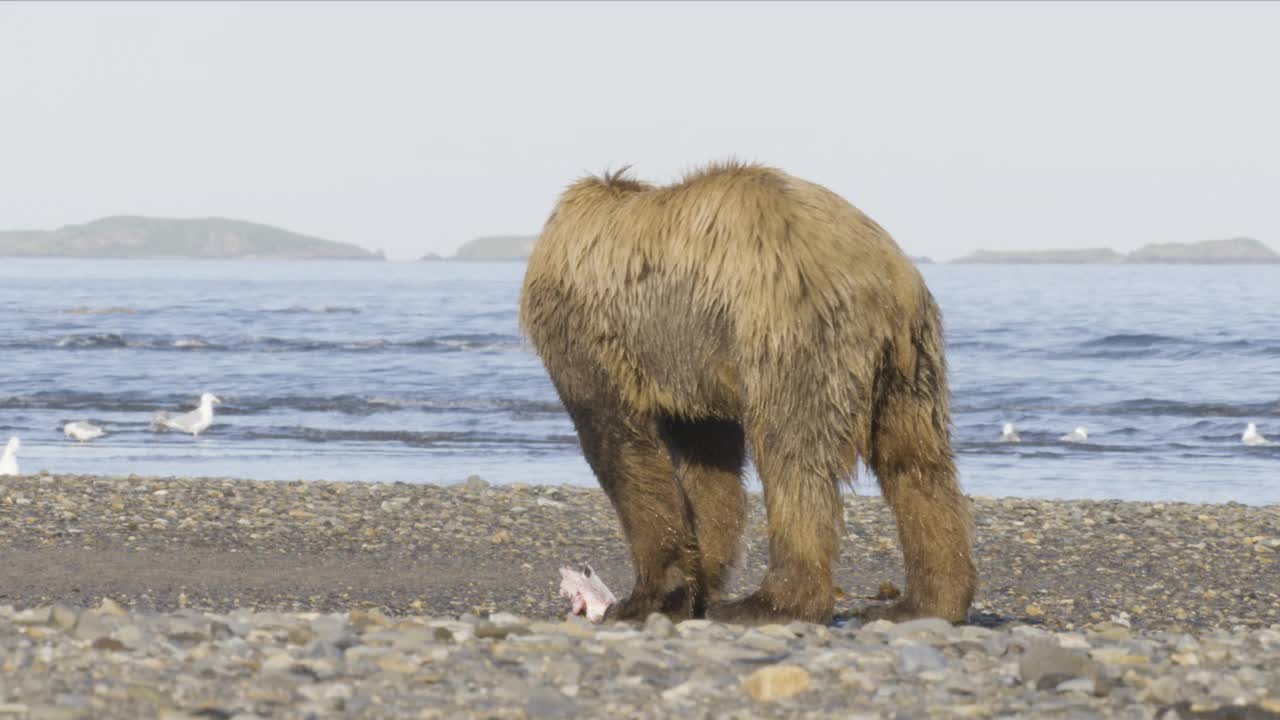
(634,468)
(911,457)
(802,498)
(709,456)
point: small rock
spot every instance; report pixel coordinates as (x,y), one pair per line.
(502,537)
(1118,656)
(363,619)
(281,662)
(1045,659)
(1114,632)
(920,629)
(776,682)
(996,644)
(759,641)
(887,591)
(91,625)
(486,629)
(545,702)
(506,618)
(970,710)
(33,616)
(659,625)
(916,658)
(394,504)
(777,631)
(1073,641)
(878,626)
(62,617)
(475,483)
(130,635)
(109,644)
(1166,690)
(691,627)
(111,607)
(396,663)
(1227,689)
(1081,684)
(857,680)
(330,628)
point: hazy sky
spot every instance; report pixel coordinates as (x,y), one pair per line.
(415,127)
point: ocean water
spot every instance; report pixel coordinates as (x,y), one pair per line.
(416,373)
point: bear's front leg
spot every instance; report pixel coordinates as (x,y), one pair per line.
(673,595)
(635,469)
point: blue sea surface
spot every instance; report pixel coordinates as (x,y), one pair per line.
(415,372)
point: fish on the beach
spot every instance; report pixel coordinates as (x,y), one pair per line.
(1079,435)
(9,460)
(1253,437)
(82,430)
(1009,434)
(587,592)
(194,422)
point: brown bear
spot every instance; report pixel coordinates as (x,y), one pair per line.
(746,308)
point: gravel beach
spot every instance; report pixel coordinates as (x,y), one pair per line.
(187,597)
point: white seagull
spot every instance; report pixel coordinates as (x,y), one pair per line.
(1009,434)
(9,460)
(1079,435)
(194,422)
(82,431)
(1253,437)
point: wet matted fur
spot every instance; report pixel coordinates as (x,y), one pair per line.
(743,308)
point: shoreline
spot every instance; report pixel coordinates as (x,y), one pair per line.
(125,597)
(323,545)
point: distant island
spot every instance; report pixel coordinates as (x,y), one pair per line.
(1234,250)
(131,236)
(518,247)
(1206,252)
(1089,255)
(493,247)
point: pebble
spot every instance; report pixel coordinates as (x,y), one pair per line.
(1198,630)
(917,658)
(921,629)
(659,625)
(776,682)
(1046,664)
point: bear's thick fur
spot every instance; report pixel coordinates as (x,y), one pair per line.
(745,308)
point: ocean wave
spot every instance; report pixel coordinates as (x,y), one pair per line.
(1176,408)
(362,405)
(1132,340)
(321,310)
(406,437)
(1063,404)
(1135,345)
(56,400)
(90,341)
(194,344)
(271,344)
(340,404)
(83,310)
